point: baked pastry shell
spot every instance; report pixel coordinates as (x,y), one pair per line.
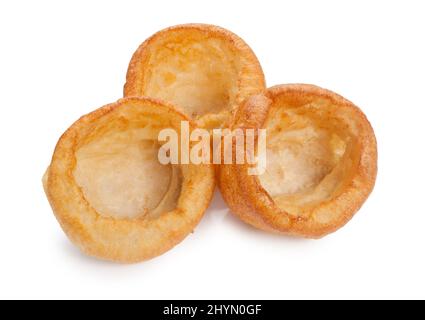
(233,71)
(123,239)
(249,200)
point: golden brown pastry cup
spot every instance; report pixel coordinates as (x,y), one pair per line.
(205,70)
(108,191)
(321,162)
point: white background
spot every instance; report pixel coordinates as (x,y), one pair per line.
(61,60)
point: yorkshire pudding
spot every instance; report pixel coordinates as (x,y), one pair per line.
(110,193)
(205,70)
(321,162)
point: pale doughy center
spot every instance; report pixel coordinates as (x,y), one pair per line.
(198,76)
(121,177)
(305,161)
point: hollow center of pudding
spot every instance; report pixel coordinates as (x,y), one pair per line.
(198,75)
(121,177)
(305,159)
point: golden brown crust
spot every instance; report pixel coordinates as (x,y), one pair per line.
(123,240)
(256,206)
(247,76)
